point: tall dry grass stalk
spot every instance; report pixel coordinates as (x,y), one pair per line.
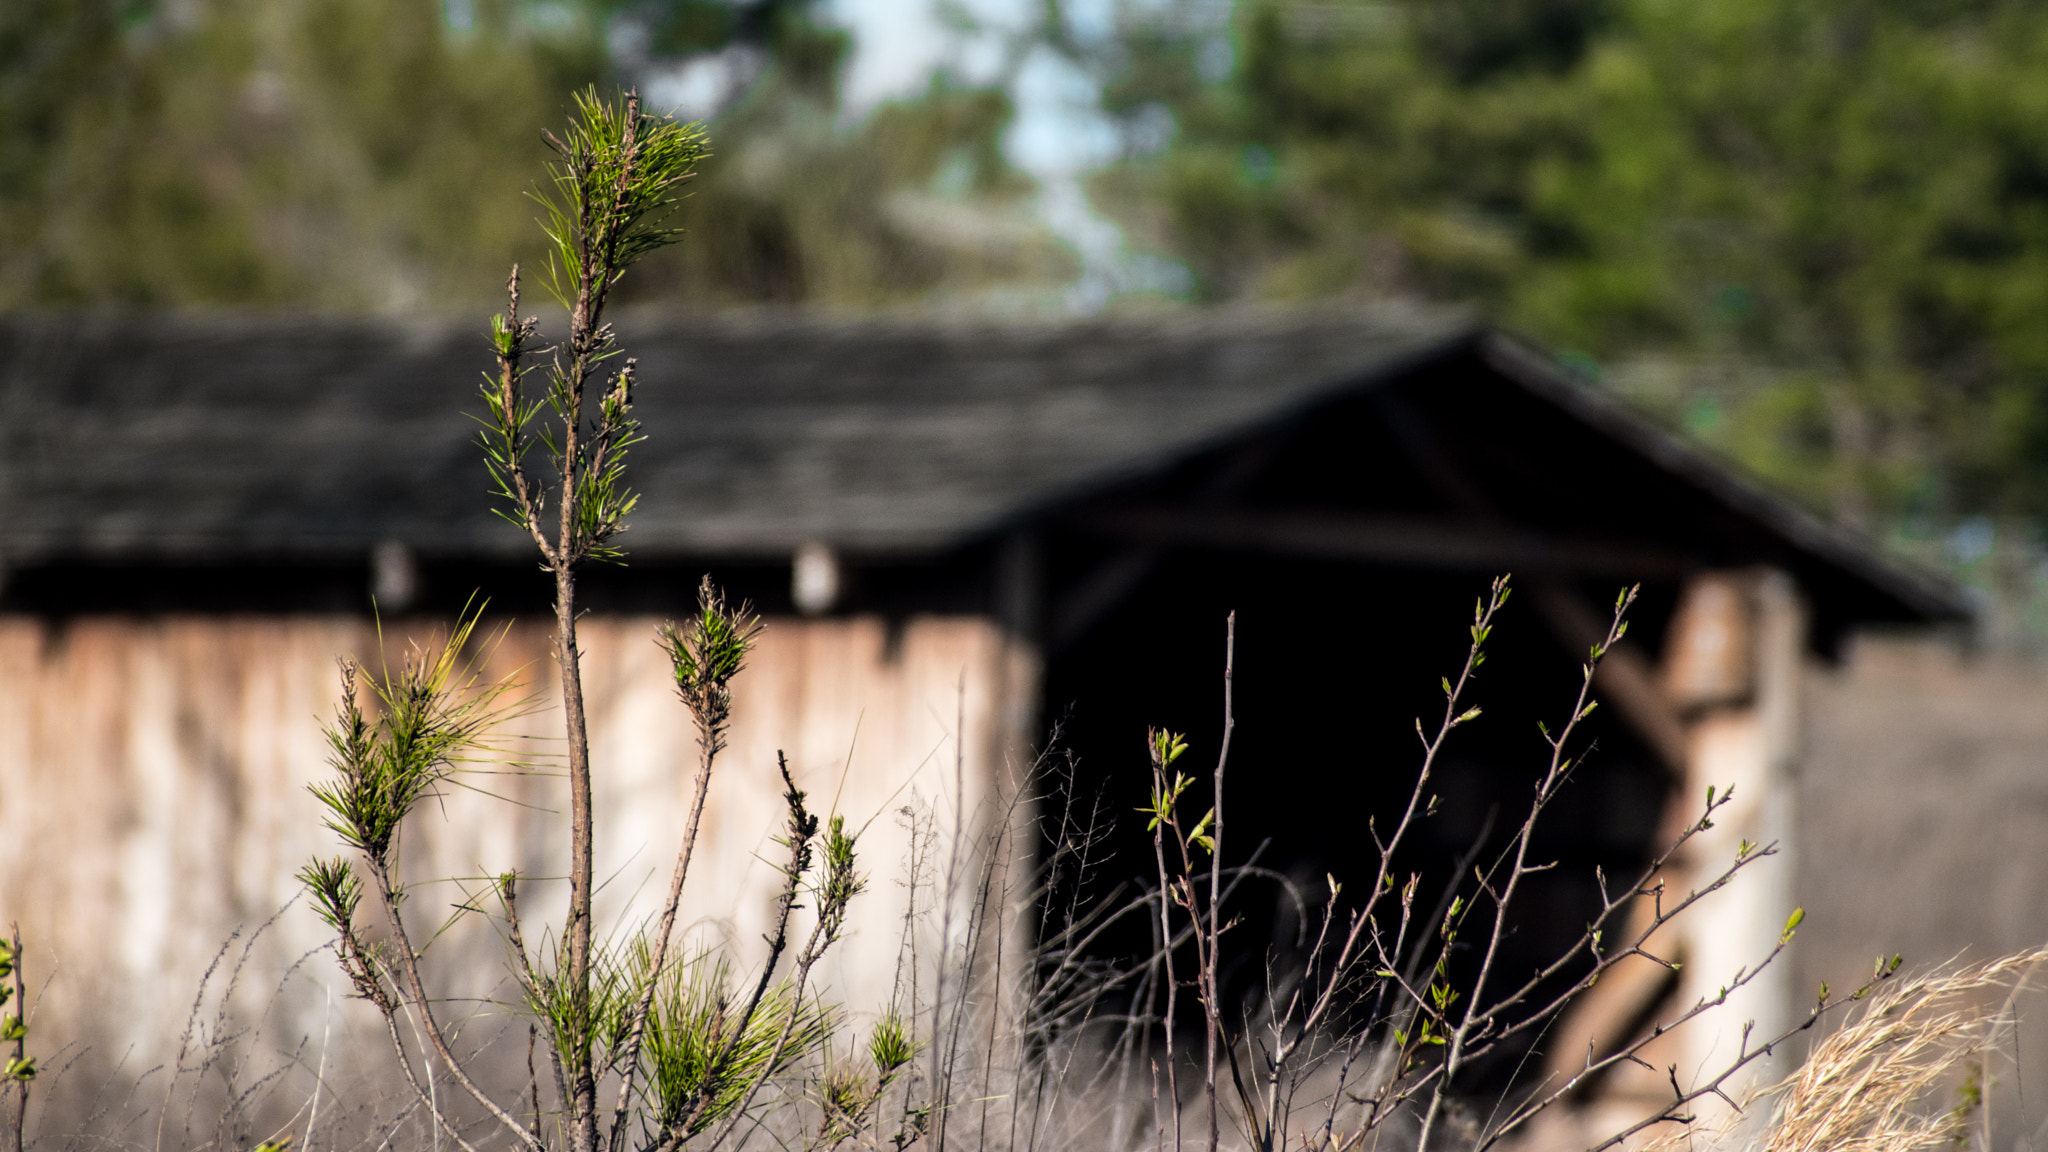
(1902,1075)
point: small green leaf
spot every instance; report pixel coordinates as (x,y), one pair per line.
(1792,924)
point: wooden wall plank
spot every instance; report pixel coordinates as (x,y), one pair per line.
(153,773)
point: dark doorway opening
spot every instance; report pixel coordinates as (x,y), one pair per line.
(1334,664)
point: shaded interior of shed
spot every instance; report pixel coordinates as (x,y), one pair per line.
(1340,650)
(1334,665)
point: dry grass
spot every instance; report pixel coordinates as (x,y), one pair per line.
(1902,1075)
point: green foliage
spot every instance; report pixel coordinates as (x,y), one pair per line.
(840,882)
(847,1094)
(591,1033)
(914,203)
(336,891)
(891,1046)
(365,155)
(1167,747)
(704,1053)
(330,152)
(705,652)
(1814,235)
(606,207)
(431,714)
(708,649)
(617,182)
(18,1068)
(844,1096)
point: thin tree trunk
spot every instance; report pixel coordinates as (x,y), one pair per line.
(582,1077)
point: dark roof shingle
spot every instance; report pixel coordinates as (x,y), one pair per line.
(229,437)
(236,439)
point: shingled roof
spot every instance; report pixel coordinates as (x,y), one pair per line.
(222,438)
(230,439)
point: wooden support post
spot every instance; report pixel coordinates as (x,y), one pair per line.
(1726,704)
(1733,665)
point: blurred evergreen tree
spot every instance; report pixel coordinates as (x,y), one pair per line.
(1814,234)
(370,154)
(916,200)
(345,153)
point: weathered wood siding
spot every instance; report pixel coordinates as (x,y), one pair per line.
(1923,809)
(153,778)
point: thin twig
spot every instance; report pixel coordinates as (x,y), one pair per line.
(428,1029)
(1211,1001)
(1560,765)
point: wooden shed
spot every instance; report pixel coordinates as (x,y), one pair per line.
(961,534)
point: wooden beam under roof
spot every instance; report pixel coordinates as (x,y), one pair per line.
(1382,538)
(1624,679)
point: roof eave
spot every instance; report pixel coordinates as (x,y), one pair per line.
(1929,596)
